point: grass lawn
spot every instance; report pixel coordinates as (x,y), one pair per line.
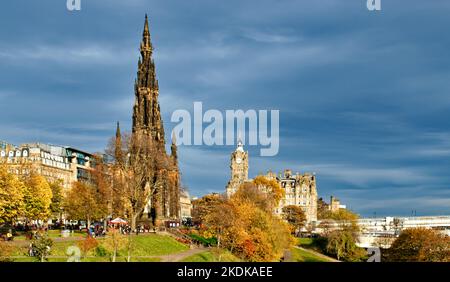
(156,245)
(212,256)
(299,255)
(52,234)
(145,248)
(305,242)
(316,244)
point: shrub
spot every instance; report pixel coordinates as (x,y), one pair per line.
(100,251)
(204,241)
(41,246)
(6,251)
(87,245)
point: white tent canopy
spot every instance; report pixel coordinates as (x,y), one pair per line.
(118,220)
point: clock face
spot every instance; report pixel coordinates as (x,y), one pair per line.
(238,160)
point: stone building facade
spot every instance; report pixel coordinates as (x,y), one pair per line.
(66,164)
(185,205)
(335,204)
(300,189)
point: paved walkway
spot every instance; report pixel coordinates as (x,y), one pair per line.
(330,259)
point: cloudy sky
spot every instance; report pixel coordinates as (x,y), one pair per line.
(363,96)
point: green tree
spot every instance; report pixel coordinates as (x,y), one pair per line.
(37,197)
(419,245)
(41,246)
(11,196)
(342,244)
(295,216)
(344,215)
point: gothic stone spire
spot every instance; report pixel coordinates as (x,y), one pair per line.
(118,146)
(118,135)
(173,148)
(146,112)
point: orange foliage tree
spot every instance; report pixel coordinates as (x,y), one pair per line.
(420,245)
(245,224)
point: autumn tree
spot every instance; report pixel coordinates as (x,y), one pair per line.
(419,245)
(220,216)
(37,197)
(271,188)
(11,196)
(262,236)
(246,226)
(323,211)
(139,163)
(87,245)
(138,177)
(295,216)
(203,206)
(115,242)
(100,178)
(84,202)
(263,192)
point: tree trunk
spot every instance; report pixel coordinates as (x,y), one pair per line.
(88,223)
(134,218)
(129,248)
(218,241)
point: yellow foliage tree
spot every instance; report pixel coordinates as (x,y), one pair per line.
(295,216)
(271,187)
(37,197)
(11,196)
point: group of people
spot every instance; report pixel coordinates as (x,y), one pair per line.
(126,229)
(96,231)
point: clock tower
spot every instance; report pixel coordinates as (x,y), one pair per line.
(239,169)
